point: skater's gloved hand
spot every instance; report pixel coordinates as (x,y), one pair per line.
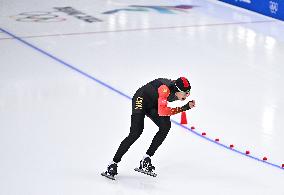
(189,105)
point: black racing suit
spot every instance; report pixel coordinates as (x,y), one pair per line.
(145,102)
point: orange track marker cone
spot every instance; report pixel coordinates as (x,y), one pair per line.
(183,119)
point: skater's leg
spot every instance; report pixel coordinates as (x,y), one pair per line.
(136,129)
(164,124)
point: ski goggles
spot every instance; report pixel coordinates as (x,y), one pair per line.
(184,92)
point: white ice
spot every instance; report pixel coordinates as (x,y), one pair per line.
(59,128)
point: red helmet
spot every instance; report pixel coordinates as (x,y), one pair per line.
(182,85)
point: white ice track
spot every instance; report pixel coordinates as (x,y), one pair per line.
(59,130)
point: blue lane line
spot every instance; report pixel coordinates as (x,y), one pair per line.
(128,97)
(66,64)
(227,147)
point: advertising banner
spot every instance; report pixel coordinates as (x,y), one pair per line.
(272,8)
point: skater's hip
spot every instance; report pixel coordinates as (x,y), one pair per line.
(144,100)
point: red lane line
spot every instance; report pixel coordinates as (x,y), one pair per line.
(142,29)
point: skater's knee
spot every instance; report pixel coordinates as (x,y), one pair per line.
(135,133)
(137,126)
(165,125)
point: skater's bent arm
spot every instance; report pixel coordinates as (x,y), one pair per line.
(163,109)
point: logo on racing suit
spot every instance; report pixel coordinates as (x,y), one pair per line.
(139,103)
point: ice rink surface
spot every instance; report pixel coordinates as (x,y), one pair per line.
(69,68)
